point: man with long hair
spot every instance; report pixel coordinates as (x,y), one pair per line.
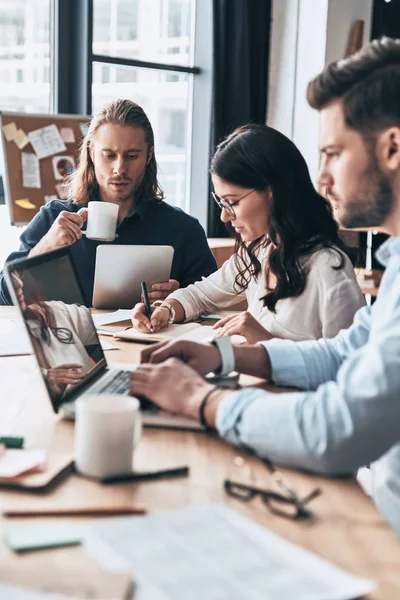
(117,164)
(349,414)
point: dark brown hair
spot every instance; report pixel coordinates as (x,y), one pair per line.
(300,220)
(368,83)
(83,185)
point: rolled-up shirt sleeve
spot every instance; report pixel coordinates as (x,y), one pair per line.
(348,421)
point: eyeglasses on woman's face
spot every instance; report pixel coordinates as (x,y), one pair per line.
(229,207)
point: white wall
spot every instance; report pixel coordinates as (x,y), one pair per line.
(306,35)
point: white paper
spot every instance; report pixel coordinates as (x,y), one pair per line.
(14,339)
(13,592)
(205,334)
(123,314)
(108,346)
(212,551)
(15,462)
(30,170)
(63,166)
(46,141)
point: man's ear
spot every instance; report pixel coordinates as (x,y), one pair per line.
(388,150)
(150,155)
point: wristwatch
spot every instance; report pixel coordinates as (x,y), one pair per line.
(224,345)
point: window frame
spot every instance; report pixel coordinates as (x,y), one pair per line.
(72,74)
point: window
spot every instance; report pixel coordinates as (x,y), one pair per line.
(24,77)
(150,31)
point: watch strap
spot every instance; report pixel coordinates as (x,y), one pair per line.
(224,345)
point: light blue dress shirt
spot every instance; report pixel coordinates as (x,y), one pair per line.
(349,415)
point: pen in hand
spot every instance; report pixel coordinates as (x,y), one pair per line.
(146,302)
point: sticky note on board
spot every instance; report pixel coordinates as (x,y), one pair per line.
(84,127)
(21,139)
(10,131)
(67,135)
(25,203)
(41,535)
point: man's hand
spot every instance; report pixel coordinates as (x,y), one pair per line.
(243,324)
(172,385)
(204,358)
(160,291)
(65,231)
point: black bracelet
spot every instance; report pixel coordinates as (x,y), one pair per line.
(202,408)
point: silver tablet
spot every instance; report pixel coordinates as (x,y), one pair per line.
(121,269)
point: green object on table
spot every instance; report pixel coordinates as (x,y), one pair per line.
(11,441)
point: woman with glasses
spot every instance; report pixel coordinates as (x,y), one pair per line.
(289,262)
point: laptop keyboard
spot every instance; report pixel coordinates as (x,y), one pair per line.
(118,384)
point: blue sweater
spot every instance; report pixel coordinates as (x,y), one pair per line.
(154,223)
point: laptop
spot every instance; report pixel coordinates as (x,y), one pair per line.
(65,343)
(120,270)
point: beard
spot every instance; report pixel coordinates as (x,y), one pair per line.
(372,203)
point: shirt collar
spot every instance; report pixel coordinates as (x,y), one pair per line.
(388,249)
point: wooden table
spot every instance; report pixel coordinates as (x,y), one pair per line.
(347,529)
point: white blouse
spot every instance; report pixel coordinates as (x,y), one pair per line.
(78,320)
(328,304)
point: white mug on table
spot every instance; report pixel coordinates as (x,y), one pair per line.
(107,430)
(102,221)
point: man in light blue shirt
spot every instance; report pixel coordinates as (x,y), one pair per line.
(348,414)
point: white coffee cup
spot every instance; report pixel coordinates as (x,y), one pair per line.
(102,221)
(107,430)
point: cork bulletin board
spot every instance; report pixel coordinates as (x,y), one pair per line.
(39,152)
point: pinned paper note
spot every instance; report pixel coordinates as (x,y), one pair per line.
(46,141)
(84,127)
(63,166)
(50,198)
(21,139)
(67,134)
(25,203)
(10,131)
(62,191)
(30,170)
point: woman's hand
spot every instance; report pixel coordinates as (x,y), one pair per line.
(172,385)
(60,377)
(243,324)
(159,318)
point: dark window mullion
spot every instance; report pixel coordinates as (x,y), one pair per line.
(132,62)
(72,56)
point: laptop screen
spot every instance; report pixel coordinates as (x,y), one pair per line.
(60,326)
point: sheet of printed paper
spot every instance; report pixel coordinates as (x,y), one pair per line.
(62,191)
(46,141)
(21,139)
(67,134)
(212,551)
(30,170)
(10,131)
(62,166)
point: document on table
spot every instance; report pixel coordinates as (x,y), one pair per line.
(117,316)
(211,551)
(14,340)
(13,592)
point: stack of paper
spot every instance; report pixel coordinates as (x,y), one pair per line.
(213,552)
